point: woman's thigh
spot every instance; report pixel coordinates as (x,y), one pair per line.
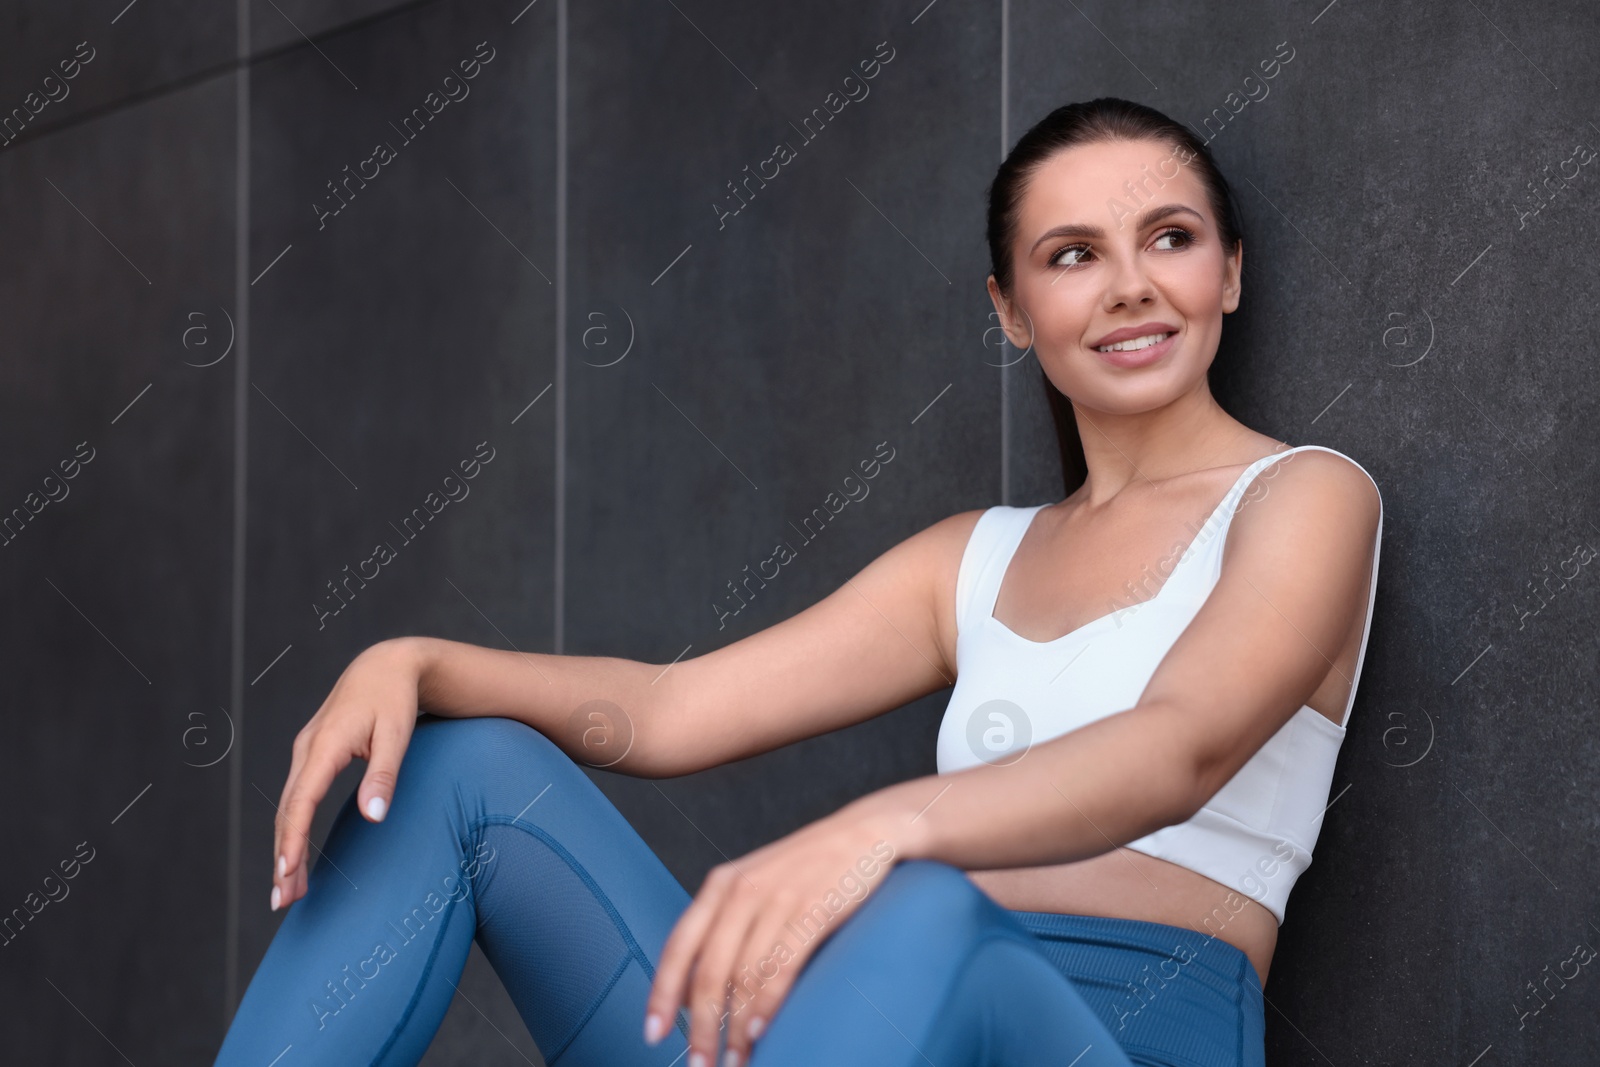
(931,970)
(494,833)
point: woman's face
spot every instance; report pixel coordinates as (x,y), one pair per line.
(1111,238)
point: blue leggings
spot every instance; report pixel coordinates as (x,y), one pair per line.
(494,833)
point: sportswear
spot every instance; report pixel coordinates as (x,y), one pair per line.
(497,837)
(1256,834)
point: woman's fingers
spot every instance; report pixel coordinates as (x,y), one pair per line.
(285,845)
(376,793)
(736,939)
(668,989)
(324,760)
(762,970)
(715,968)
(279,859)
(370,714)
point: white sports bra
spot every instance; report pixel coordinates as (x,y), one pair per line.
(1256,834)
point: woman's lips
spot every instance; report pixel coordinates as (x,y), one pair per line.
(1140,357)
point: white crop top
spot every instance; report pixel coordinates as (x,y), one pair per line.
(1256,833)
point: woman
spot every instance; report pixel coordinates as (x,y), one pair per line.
(1120,680)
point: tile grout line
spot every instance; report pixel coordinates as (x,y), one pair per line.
(1005,143)
(95,112)
(558,600)
(241,297)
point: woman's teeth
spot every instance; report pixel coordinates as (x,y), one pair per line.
(1135,344)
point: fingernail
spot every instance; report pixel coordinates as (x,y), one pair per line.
(697,1059)
(283,866)
(756,1026)
(275,896)
(730,1058)
(653,1026)
(375,808)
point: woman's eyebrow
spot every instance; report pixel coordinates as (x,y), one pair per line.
(1078,229)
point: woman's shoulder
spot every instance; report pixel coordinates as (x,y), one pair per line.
(1337,473)
(1317,488)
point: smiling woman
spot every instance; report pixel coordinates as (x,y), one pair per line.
(1124,800)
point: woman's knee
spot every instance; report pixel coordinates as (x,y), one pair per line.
(451,744)
(923,891)
(485,761)
(926,909)
(888,971)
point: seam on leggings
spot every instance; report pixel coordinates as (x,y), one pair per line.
(1238,1005)
(416,994)
(956,975)
(634,951)
(616,975)
(1130,1049)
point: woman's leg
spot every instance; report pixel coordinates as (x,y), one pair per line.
(494,832)
(931,970)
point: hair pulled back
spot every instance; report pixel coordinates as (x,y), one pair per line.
(1102,120)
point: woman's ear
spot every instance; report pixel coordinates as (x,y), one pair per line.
(1232,268)
(1017,330)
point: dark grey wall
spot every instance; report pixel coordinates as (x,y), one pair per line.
(253,394)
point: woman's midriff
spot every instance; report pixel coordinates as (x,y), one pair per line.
(1124,884)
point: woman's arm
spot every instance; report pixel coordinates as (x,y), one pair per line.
(1294,581)
(1295,573)
(882,639)
(871,646)
(600,710)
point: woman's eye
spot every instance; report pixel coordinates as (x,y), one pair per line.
(1184,236)
(1074,254)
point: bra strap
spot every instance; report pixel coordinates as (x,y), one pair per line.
(994,541)
(1242,489)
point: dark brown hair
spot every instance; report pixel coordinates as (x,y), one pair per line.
(1097,121)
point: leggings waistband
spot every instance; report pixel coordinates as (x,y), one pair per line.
(1209,952)
(1169,994)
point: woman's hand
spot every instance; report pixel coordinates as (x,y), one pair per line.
(370,713)
(755,923)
